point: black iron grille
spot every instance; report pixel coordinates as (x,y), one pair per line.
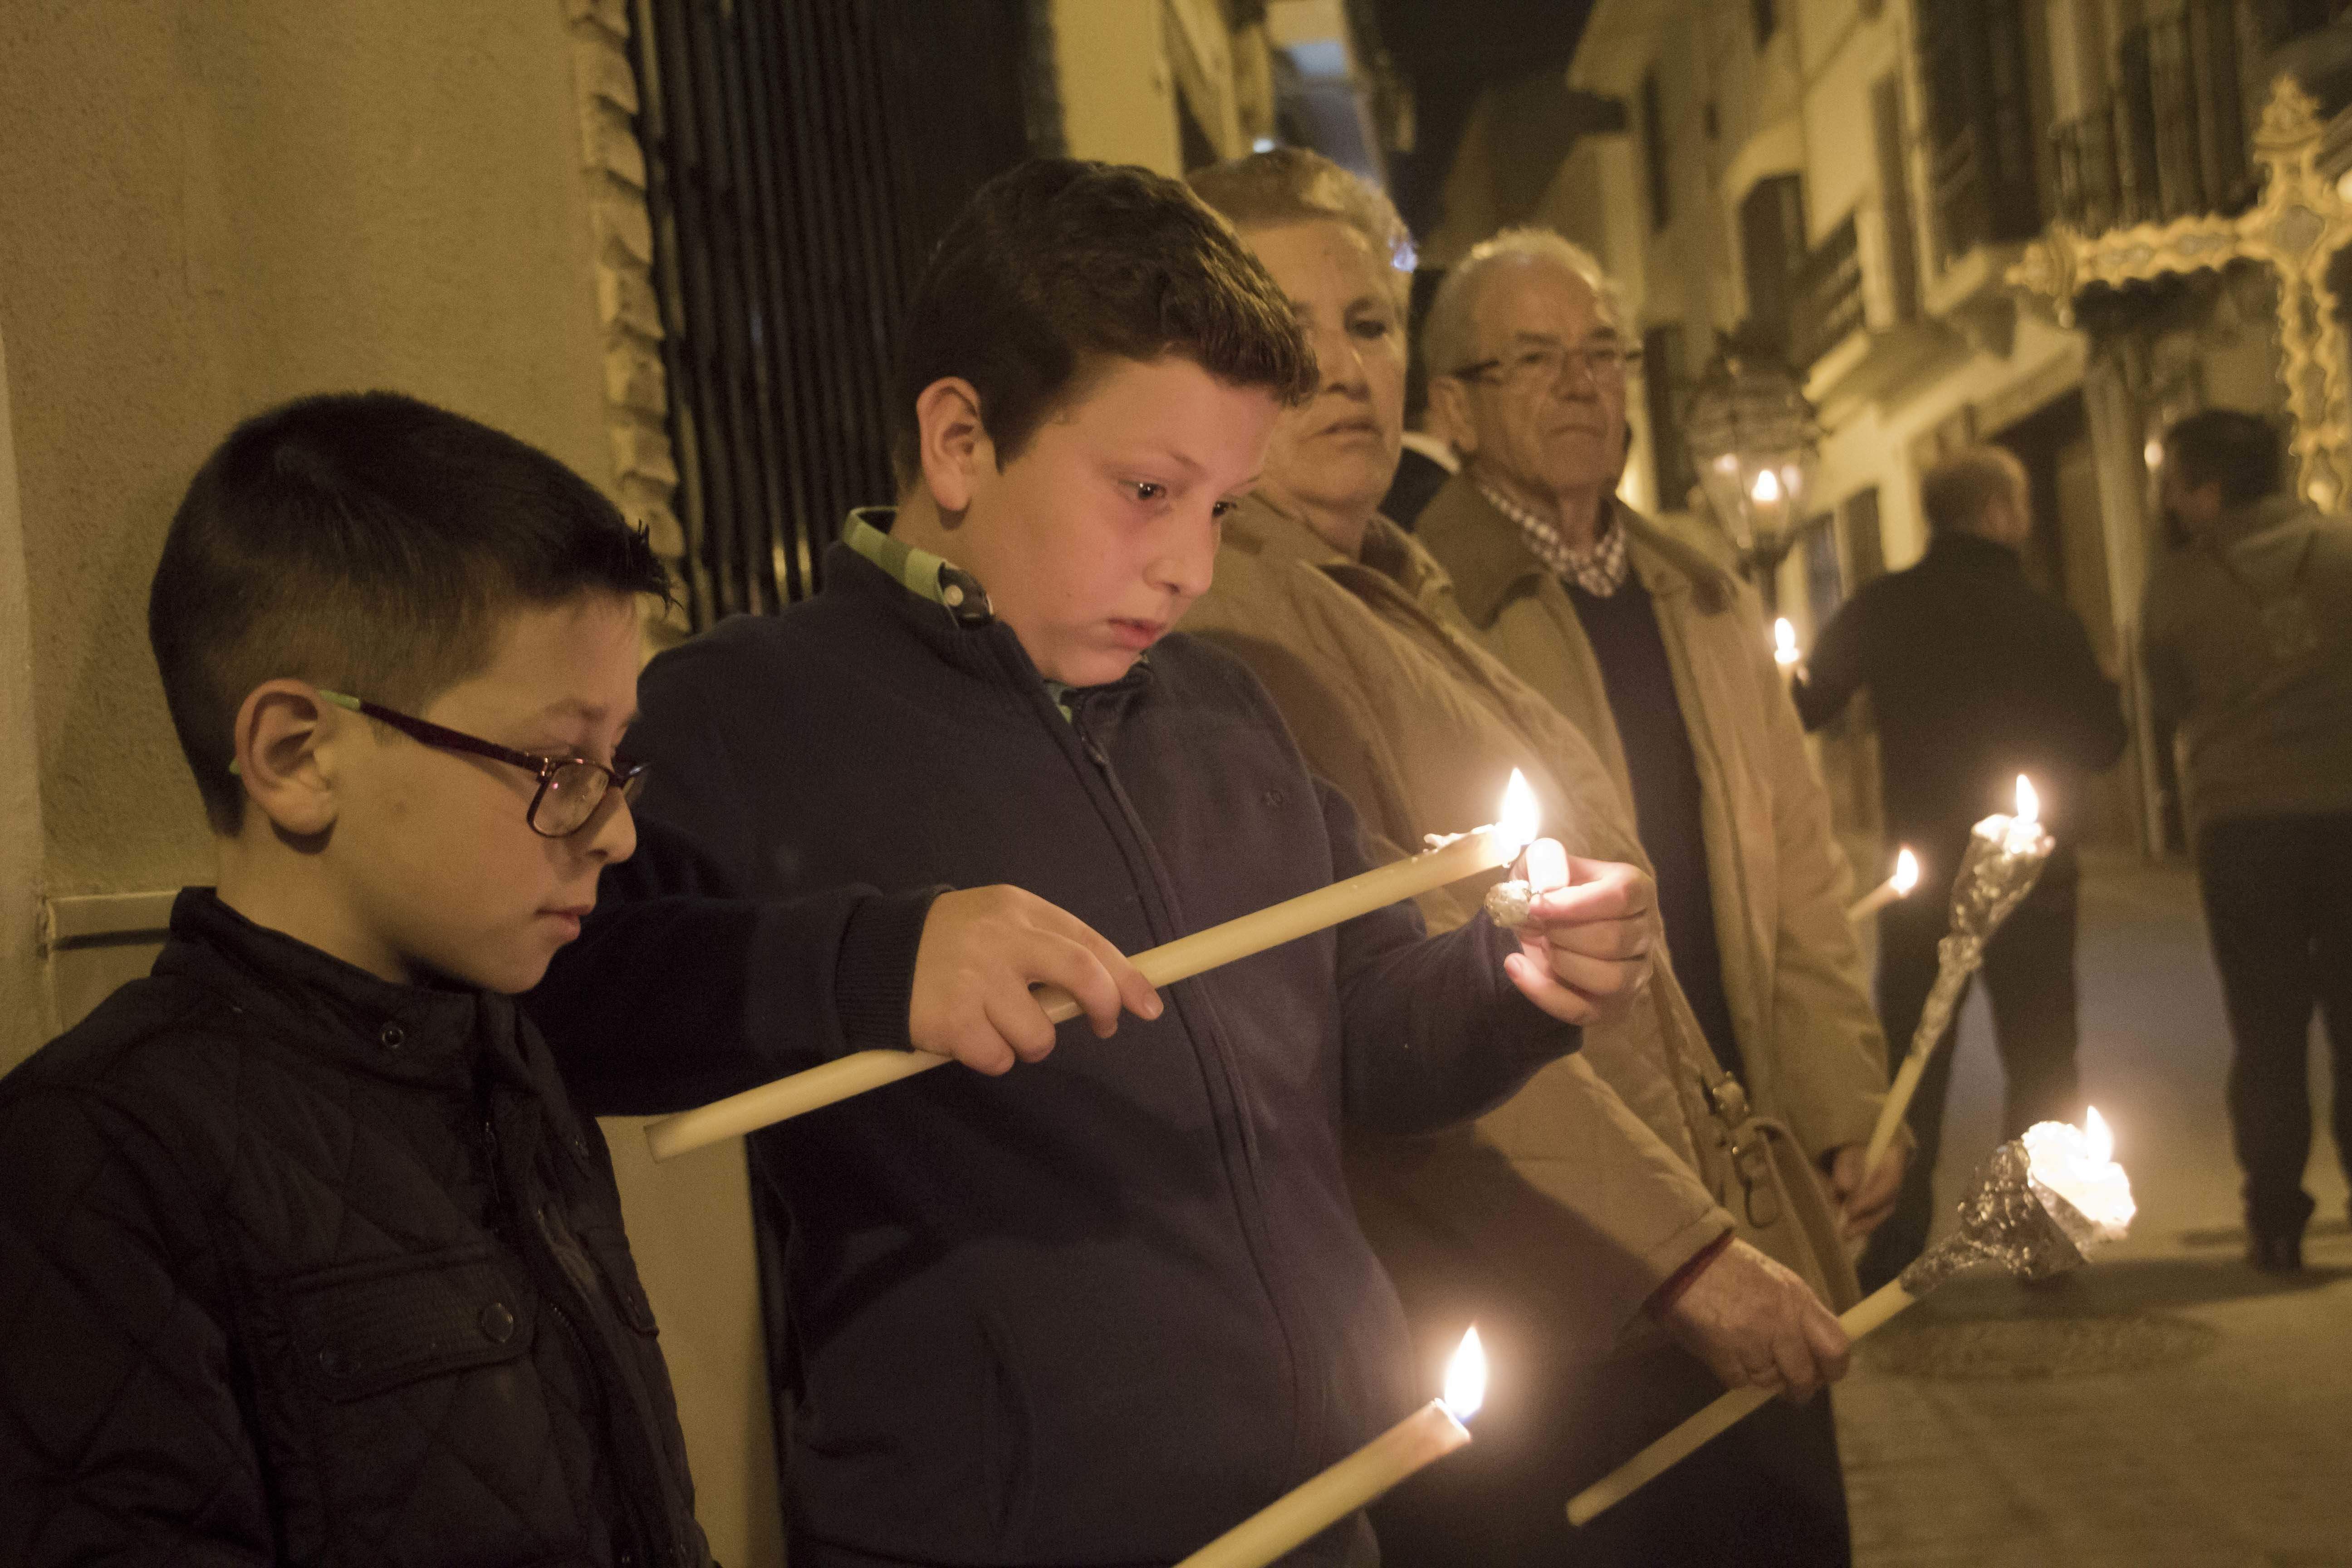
(802,157)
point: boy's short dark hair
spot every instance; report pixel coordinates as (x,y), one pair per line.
(2239,451)
(1058,264)
(370,542)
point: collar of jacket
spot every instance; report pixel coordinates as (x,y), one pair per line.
(424,1035)
(2259,516)
(1969,553)
(1492,566)
(972,641)
(1262,529)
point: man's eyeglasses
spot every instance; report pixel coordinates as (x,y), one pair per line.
(569,788)
(1544,366)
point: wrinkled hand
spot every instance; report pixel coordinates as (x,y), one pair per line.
(981,950)
(1584,952)
(1756,1325)
(1864,1206)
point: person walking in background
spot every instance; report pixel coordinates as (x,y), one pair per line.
(1659,656)
(2247,634)
(1607,1273)
(1975,678)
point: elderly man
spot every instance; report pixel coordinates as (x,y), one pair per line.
(1581,1219)
(1655,652)
(2248,639)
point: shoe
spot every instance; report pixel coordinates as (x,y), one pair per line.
(2274,1254)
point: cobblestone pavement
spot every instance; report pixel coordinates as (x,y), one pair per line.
(2168,1406)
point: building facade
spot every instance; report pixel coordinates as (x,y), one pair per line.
(1943,214)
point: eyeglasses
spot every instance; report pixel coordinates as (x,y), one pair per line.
(1544,366)
(569,788)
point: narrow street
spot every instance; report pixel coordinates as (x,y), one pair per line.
(2168,1406)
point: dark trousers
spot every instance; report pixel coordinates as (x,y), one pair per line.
(2029,973)
(1769,1493)
(2278,907)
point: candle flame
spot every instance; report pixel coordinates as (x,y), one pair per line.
(1522,817)
(1784,641)
(1465,1378)
(1767,489)
(2098,1142)
(2029,802)
(1906,872)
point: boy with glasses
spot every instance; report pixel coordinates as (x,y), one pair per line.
(305,1255)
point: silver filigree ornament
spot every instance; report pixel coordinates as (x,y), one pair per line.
(1998,868)
(1510,904)
(2013,1221)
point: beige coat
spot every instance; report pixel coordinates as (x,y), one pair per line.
(1792,968)
(1565,1208)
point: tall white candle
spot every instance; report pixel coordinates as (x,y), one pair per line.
(2072,1162)
(1429,1434)
(1897,886)
(1465,855)
(2004,855)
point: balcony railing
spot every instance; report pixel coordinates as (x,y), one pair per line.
(2171,140)
(1827,304)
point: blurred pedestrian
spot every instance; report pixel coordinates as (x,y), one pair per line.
(1975,678)
(2247,632)
(1658,654)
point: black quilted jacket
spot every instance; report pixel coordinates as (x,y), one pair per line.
(298,1267)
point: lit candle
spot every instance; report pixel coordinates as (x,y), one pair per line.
(2007,1218)
(1429,1434)
(1898,886)
(2079,1165)
(1446,860)
(2004,855)
(1784,643)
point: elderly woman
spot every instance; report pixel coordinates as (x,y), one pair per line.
(1589,1214)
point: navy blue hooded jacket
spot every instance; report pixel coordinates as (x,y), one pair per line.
(1099,1310)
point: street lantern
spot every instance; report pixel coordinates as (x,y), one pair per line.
(1755,440)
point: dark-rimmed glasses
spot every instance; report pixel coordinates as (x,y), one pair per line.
(569,788)
(1545,364)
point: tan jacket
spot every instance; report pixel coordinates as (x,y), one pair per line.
(1565,1200)
(1792,968)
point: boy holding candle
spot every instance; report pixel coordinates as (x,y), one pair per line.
(1101,1310)
(306,1255)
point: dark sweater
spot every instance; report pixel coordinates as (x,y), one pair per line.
(1101,1308)
(300,1266)
(1668,803)
(1974,679)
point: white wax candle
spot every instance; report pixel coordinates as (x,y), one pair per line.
(1547,866)
(1898,886)
(1429,1434)
(1465,856)
(2077,1164)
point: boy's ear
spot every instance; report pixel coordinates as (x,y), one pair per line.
(1452,401)
(280,730)
(953,444)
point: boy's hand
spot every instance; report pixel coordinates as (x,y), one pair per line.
(1584,951)
(982,948)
